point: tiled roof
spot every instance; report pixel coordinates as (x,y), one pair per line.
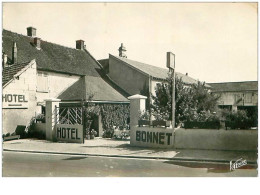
(57,58)
(51,57)
(101,90)
(234,86)
(156,72)
(9,72)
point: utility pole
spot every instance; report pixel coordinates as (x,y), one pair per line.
(171,65)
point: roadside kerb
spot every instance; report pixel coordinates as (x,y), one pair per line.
(133,157)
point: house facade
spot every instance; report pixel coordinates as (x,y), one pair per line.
(136,77)
(35,70)
(237,95)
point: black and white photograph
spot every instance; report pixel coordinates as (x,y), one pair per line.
(129,89)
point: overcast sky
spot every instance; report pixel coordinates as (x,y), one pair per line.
(213,42)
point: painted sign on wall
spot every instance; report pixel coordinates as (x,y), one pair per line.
(15,100)
(152,137)
(69,133)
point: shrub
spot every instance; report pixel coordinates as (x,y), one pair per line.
(21,130)
(204,120)
(114,115)
(40,117)
(237,119)
(30,128)
(108,133)
(144,115)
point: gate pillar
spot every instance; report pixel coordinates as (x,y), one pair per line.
(137,103)
(51,117)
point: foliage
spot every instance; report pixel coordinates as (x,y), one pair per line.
(192,102)
(21,130)
(111,114)
(91,110)
(239,115)
(121,134)
(144,115)
(108,133)
(114,115)
(91,132)
(30,128)
(161,115)
(40,117)
(237,119)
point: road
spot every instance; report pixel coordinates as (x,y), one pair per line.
(19,164)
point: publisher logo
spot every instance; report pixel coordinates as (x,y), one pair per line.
(235,164)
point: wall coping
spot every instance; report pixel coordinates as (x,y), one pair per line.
(52,100)
(137,96)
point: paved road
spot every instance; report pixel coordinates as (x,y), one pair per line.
(17,164)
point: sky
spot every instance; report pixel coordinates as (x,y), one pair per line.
(212,42)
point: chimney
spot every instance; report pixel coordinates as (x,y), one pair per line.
(80,44)
(31,31)
(37,42)
(122,51)
(14,53)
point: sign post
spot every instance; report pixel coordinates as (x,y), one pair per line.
(171,66)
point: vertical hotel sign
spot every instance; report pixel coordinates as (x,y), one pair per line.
(14,99)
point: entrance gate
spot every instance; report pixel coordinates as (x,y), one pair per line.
(69,124)
(69,115)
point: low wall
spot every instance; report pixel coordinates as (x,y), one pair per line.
(152,137)
(243,140)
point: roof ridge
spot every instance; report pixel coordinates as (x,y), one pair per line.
(43,40)
(138,69)
(233,82)
(156,67)
(141,62)
(15,32)
(62,45)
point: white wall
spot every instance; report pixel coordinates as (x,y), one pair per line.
(209,139)
(153,85)
(25,84)
(152,137)
(57,83)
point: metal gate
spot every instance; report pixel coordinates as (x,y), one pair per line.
(69,115)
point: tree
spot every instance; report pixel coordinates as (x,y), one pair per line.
(191,100)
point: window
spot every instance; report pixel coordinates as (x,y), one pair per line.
(248,98)
(42,82)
